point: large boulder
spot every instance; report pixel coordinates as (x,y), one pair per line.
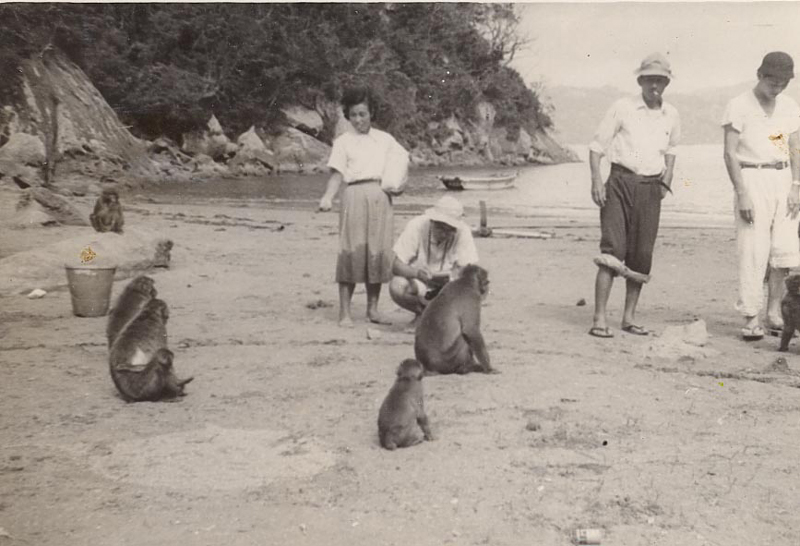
(305,120)
(482,130)
(448,136)
(298,152)
(58,208)
(548,150)
(56,98)
(23,149)
(18,175)
(253,157)
(212,141)
(30,214)
(204,166)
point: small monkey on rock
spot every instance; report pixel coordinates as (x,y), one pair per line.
(107,215)
(402,410)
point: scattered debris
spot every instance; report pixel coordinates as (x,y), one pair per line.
(524,234)
(36,294)
(373,333)
(683,343)
(318,304)
(588,536)
(533,426)
(779,365)
(581,302)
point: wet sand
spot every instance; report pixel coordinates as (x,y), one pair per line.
(276,442)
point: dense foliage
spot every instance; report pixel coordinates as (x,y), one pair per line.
(165,68)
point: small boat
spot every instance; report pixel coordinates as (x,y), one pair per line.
(496,181)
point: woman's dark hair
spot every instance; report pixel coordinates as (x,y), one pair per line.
(357,95)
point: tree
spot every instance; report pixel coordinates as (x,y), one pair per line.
(499,24)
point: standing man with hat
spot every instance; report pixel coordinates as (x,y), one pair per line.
(427,253)
(761,155)
(638,135)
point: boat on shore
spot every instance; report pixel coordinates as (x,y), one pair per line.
(495,181)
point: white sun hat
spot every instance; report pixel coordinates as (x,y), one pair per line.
(447,210)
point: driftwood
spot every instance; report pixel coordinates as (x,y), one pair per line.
(61,210)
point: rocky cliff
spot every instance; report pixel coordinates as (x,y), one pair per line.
(64,129)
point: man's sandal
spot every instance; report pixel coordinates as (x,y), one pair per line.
(636,330)
(752,333)
(597,331)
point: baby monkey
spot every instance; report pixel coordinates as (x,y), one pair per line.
(402,410)
(107,215)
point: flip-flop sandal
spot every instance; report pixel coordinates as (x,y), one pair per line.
(752,334)
(636,330)
(597,331)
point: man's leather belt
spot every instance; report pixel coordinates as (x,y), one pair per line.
(778,165)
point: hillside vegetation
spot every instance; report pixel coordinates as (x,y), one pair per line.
(166,68)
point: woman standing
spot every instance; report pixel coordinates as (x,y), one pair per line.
(365,220)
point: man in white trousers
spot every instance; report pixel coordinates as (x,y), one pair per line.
(763,160)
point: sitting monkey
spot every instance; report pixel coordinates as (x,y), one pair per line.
(402,410)
(448,337)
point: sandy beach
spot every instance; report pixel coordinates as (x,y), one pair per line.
(276,442)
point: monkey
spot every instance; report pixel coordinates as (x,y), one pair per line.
(141,338)
(107,215)
(790,309)
(403,410)
(152,382)
(132,300)
(448,336)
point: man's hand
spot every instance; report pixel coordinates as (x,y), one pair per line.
(424,275)
(666,183)
(598,193)
(746,207)
(793,201)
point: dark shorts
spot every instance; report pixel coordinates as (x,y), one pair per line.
(629,219)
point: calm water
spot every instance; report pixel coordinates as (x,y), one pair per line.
(703,193)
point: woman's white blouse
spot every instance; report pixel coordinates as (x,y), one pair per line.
(361,156)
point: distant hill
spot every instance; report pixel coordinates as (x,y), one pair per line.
(577,111)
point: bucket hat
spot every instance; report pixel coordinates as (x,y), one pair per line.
(654,64)
(447,210)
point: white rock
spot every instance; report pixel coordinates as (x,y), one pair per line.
(36,294)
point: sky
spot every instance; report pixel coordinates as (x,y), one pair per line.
(709,44)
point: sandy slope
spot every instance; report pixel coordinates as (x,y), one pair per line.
(276,442)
